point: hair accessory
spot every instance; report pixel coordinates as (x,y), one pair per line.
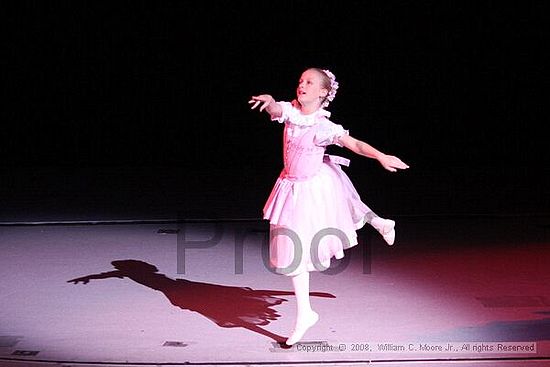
(333,88)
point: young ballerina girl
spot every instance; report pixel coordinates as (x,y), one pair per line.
(314,210)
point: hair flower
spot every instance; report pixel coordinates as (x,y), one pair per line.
(333,88)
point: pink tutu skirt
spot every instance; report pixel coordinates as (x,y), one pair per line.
(313,219)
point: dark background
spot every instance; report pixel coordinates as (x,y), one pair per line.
(126,109)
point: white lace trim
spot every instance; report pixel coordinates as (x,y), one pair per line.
(294,116)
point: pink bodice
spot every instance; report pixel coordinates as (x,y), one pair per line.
(305,140)
(302,157)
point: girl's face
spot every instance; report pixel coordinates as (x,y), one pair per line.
(310,89)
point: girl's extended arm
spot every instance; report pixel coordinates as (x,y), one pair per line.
(389,162)
(268,103)
(86,279)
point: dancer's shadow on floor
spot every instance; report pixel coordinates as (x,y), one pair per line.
(227,306)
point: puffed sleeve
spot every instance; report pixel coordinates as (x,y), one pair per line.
(328,133)
(286,108)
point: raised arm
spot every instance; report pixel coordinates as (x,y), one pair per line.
(268,103)
(389,162)
(86,279)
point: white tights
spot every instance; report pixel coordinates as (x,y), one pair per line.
(305,316)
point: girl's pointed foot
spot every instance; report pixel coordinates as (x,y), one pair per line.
(302,325)
(389,237)
(386,227)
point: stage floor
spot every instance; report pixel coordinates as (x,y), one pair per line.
(456,290)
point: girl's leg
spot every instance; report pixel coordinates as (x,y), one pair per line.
(305,316)
(386,227)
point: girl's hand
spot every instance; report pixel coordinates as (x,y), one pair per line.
(264,99)
(391,163)
(83,280)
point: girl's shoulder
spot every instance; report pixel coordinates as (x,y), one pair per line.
(329,133)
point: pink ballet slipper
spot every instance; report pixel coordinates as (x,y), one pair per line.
(386,227)
(302,325)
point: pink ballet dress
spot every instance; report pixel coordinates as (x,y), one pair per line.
(313,209)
